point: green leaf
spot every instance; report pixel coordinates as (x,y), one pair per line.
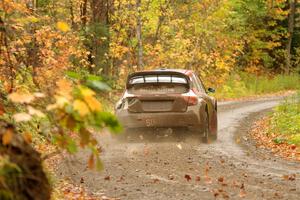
(71,146)
(94,78)
(98,85)
(279,140)
(73,75)
(110,121)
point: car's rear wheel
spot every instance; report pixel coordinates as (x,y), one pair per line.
(208,137)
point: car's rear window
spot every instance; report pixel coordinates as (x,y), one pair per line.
(158,84)
(157,79)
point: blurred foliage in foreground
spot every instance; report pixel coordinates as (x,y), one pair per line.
(70,118)
(244,84)
(285,121)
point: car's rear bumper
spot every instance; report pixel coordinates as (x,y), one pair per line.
(188,119)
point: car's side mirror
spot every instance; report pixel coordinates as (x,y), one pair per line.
(119,105)
(211,90)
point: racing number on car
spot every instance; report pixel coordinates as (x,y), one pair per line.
(150,122)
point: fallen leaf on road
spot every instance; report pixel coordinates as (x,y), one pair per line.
(235,183)
(81,180)
(156,180)
(171,177)
(222,160)
(225,196)
(187,177)
(197,178)
(120,179)
(216,193)
(91,162)
(242,191)
(221,179)
(107,178)
(208,180)
(291,177)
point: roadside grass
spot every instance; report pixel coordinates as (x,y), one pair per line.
(244,84)
(285,121)
(280,130)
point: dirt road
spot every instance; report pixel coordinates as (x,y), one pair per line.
(177,167)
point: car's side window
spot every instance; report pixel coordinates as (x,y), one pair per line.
(199,84)
(195,84)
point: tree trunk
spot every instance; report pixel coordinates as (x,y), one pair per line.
(7,56)
(72,14)
(83,11)
(100,41)
(33,58)
(139,36)
(291,25)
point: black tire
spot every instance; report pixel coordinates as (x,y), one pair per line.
(208,137)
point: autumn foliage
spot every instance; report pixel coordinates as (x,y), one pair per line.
(60,59)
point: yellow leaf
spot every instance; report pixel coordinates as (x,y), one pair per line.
(22,117)
(7,136)
(81,108)
(21,97)
(86,92)
(51,107)
(33,19)
(61,101)
(93,103)
(63,26)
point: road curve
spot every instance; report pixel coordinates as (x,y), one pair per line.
(161,166)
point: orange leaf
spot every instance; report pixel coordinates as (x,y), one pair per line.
(27,137)
(1,109)
(91,162)
(65,88)
(7,137)
(93,103)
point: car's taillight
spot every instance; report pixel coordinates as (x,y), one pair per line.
(191,98)
(192,101)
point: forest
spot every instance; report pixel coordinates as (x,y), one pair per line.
(63,64)
(110,38)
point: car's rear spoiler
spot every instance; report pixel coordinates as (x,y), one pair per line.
(145,73)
